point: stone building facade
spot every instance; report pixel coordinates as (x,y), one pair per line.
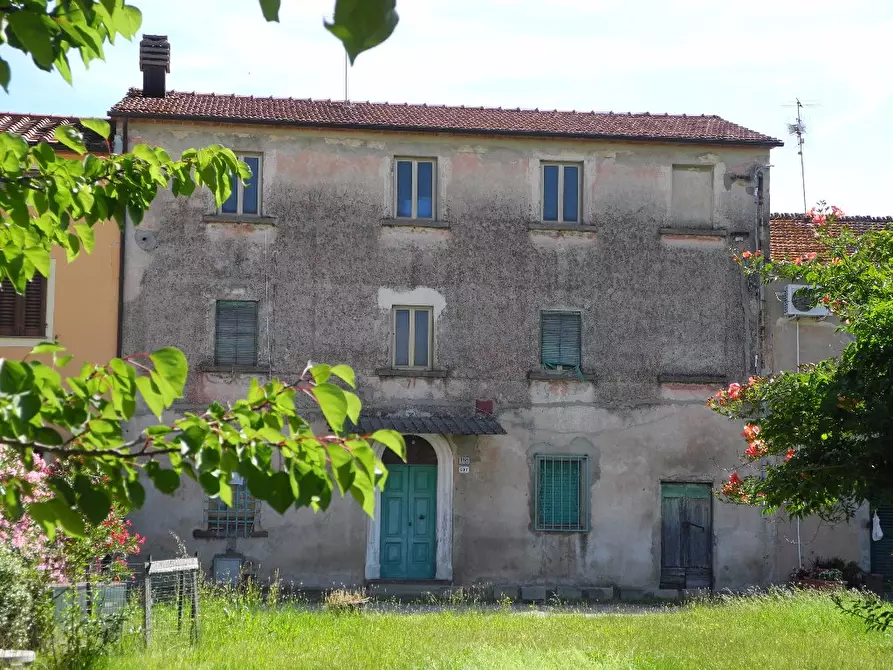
(541,300)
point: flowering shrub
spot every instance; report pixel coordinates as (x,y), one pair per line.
(821,434)
(103,550)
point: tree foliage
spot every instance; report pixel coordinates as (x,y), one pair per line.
(822,435)
(48,200)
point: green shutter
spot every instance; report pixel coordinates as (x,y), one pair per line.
(562,493)
(236,333)
(560,334)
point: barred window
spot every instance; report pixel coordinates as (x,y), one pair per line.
(236,521)
(562,493)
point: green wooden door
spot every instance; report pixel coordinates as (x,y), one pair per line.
(882,550)
(408,513)
(686,536)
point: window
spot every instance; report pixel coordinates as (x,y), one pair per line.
(24,315)
(562,492)
(561,192)
(235,341)
(560,334)
(238,520)
(415,188)
(413,335)
(245,198)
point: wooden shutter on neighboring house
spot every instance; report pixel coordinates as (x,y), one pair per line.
(24,316)
(882,550)
(560,334)
(236,333)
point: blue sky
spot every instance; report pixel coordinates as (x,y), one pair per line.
(744,62)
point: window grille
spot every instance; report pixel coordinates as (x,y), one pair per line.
(562,493)
(236,521)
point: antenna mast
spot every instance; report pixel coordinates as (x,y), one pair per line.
(346,65)
(799,129)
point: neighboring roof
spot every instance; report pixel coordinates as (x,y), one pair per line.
(41,128)
(441,422)
(792,235)
(434,118)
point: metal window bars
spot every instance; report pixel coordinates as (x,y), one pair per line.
(236,521)
(561,493)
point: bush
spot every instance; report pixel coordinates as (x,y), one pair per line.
(26,614)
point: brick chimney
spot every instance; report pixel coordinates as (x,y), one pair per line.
(155,63)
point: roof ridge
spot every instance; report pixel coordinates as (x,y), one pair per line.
(427,105)
(795,216)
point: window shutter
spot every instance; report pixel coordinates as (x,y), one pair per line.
(560,339)
(236,333)
(35,308)
(7,309)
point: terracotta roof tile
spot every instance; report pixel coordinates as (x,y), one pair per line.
(41,128)
(434,118)
(792,235)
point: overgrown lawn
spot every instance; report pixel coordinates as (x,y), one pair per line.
(772,631)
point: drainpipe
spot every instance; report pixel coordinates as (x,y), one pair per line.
(120,343)
(799,548)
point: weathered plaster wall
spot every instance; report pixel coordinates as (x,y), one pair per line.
(328,271)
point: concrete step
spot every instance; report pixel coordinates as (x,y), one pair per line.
(408,590)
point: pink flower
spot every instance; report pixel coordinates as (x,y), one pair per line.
(734,391)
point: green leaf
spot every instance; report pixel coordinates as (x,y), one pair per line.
(170,363)
(151,395)
(85,233)
(34,34)
(62,361)
(346,374)
(98,126)
(392,440)
(40,257)
(353,407)
(332,403)
(280,495)
(4,75)
(70,521)
(321,373)
(14,376)
(362,24)
(71,137)
(136,493)
(225,491)
(270,8)
(166,481)
(48,436)
(342,466)
(94,503)
(129,19)
(47,348)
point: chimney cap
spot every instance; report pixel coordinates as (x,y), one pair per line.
(155,52)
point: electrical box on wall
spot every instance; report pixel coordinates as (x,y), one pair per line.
(800,302)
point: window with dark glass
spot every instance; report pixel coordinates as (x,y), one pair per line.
(412,337)
(415,188)
(561,192)
(24,315)
(245,196)
(235,340)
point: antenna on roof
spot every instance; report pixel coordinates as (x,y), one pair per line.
(799,129)
(346,70)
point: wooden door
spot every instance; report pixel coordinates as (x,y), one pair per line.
(686,536)
(408,514)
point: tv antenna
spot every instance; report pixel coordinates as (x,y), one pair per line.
(346,70)
(799,129)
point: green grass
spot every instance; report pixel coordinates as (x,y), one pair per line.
(767,632)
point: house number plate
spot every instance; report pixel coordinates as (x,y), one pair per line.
(464,460)
(463,469)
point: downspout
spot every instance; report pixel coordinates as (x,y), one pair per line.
(120,343)
(799,548)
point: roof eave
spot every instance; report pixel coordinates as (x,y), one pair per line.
(769,142)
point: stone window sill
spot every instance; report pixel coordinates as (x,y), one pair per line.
(694,232)
(546,226)
(22,341)
(201,534)
(560,376)
(415,223)
(691,379)
(397,372)
(241,218)
(235,369)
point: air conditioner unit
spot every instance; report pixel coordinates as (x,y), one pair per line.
(799,302)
